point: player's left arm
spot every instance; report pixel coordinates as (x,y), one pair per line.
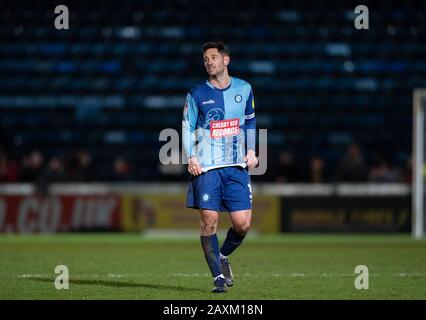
(250,127)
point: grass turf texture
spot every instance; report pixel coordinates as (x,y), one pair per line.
(131,266)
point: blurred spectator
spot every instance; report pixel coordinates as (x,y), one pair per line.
(352,166)
(80,166)
(381,171)
(8,168)
(407,176)
(316,170)
(31,166)
(123,170)
(288,169)
(54,172)
(174,171)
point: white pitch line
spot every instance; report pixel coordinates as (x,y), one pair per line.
(29,275)
(110,275)
(197,275)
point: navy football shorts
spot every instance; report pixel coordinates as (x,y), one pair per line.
(223,189)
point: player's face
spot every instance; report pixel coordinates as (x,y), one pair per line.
(215,62)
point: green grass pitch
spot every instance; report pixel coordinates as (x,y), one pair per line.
(132,266)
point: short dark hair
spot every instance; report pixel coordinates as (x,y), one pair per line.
(219,45)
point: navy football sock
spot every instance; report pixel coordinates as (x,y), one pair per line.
(210,246)
(232,241)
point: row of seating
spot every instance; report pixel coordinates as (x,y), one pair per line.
(120,75)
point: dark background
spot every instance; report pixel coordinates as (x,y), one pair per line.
(88,103)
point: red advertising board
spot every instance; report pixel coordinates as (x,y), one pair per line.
(59,213)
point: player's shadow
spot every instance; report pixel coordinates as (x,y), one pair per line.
(118,284)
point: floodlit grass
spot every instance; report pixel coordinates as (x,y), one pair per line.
(131,266)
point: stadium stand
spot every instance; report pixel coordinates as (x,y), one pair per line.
(95,97)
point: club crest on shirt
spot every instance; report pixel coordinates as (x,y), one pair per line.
(238,98)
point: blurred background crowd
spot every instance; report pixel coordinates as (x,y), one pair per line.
(88,103)
(79,164)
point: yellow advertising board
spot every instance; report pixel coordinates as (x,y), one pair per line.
(164,212)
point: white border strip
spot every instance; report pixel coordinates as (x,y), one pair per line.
(180,188)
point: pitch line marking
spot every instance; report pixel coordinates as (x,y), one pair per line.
(197,275)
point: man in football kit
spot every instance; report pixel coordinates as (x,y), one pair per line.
(219,136)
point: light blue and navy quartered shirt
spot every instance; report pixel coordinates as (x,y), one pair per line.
(218,124)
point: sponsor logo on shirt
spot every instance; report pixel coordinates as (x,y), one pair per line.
(208,101)
(224,128)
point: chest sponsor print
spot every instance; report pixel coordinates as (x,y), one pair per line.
(224,128)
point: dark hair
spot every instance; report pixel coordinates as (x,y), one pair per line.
(219,45)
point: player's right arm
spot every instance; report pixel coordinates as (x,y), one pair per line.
(189,125)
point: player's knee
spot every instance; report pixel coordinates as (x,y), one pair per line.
(208,228)
(242,230)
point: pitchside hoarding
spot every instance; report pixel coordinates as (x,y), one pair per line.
(59,213)
(346,214)
(116,212)
(160,209)
(168,212)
